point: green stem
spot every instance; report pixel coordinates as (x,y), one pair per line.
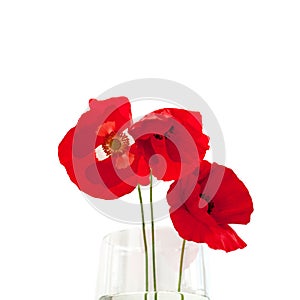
(145,239)
(153,236)
(181,265)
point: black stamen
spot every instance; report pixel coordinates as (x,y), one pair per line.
(210,203)
(210,207)
(158,136)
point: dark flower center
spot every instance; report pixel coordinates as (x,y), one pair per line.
(210,203)
(158,136)
(165,135)
(115,143)
(210,207)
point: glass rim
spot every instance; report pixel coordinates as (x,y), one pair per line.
(138,229)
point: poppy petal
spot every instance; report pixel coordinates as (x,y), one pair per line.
(65,154)
(176,137)
(113,112)
(182,190)
(201,211)
(108,182)
(231,199)
(77,150)
(205,230)
(140,165)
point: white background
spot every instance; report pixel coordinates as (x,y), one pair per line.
(242,57)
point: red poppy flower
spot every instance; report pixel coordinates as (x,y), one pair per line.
(97,152)
(202,213)
(173,141)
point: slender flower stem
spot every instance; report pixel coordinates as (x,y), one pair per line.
(153,236)
(145,240)
(181,265)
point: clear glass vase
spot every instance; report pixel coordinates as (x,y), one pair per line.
(122,270)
